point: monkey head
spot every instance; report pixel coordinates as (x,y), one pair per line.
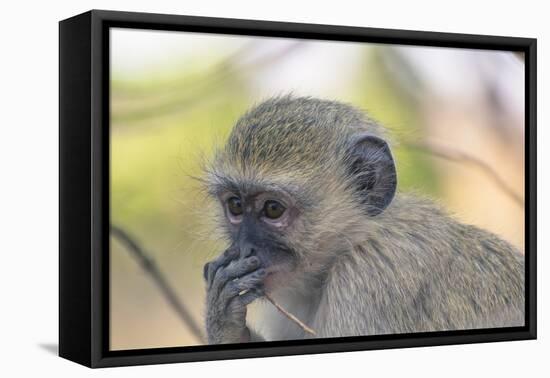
(298,176)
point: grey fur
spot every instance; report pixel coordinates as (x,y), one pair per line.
(407,267)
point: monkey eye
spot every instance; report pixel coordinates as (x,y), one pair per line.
(235,206)
(273,209)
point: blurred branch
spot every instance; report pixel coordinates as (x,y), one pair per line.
(211,81)
(403,77)
(149,266)
(462,157)
(128,89)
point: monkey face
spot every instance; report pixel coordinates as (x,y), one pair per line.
(257,223)
(298,177)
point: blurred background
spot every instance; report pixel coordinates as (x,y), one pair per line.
(456,118)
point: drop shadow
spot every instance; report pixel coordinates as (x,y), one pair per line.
(51,348)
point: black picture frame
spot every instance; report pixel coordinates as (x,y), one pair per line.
(84,186)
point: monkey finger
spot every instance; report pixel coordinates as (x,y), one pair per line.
(245,283)
(236,269)
(224,259)
(205,270)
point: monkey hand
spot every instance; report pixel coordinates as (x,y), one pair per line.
(232,283)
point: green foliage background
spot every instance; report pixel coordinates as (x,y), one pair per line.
(166,122)
(163,126)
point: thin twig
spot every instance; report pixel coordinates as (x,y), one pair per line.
(290,316)
(149,265)
(459,156)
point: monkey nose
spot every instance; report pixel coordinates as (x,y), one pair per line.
(246,249)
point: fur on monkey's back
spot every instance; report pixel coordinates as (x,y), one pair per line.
(432,271)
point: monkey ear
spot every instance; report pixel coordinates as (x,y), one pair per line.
(373,172)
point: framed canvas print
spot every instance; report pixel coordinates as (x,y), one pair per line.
(234,188)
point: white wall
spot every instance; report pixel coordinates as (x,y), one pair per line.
(28,171)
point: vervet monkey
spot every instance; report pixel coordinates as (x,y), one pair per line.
(308,203)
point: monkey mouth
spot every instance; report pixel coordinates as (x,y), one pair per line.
(270,283)
(276,277)
(279,269)
(278,266)
(271,274)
